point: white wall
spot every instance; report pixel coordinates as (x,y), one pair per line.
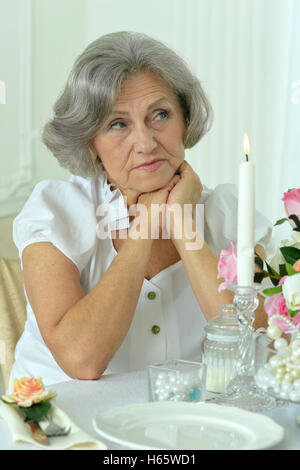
(34,66)
(238,48)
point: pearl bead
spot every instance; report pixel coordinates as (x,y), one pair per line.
(162,397)
(285,352)
(277,390)
(161,376)
(284,395)
(286,387)
(287,378)
(276,361)
(295,373)
(294,396)
(280,343)
(274,382)
(280,370)
(296,356)
(297,384)
(274,331)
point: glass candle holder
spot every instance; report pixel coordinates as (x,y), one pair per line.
(177,380)
(220,349)
(242,391)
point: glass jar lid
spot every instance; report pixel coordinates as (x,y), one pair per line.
(226,326)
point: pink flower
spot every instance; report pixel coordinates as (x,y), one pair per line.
(282,280)
(227,267)
(28,391)
(291,201)
(276,304)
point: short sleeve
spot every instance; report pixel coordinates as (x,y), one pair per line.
(220,215)
(62,213)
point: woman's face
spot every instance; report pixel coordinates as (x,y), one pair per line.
(145,125)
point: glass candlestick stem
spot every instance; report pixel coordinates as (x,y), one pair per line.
(242,390)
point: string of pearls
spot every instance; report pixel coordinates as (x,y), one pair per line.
(175,386)
(281,374)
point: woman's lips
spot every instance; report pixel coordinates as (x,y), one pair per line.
(150,166)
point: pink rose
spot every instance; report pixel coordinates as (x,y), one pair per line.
(276,304)
(28,391)
(227,267)
(291,201)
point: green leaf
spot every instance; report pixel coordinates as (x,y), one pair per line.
(281,221)
(275,276)
(293,313)
(272,290)
(295,218)
(297,222)
(8,402)
(37,411)
(259,262)
(282,270)
(290,254)
(258,277)
(290,269)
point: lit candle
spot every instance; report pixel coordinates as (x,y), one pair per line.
(246,219)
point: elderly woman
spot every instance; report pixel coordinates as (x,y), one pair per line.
(112,304)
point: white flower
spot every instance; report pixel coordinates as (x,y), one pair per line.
(291,291)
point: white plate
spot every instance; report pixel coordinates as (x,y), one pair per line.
(183,425)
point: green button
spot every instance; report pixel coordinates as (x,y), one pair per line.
(155,329)
(151,295)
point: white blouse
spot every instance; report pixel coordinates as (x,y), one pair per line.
(66,213)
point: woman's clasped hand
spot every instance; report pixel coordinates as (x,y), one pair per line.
(167,212)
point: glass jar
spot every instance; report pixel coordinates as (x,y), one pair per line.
(220,349)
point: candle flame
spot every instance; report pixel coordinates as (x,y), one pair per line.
(246,144)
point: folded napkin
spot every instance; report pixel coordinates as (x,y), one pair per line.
(75,440)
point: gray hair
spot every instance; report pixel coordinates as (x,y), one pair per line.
(94,84)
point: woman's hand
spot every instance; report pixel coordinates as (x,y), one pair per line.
(150,209)
(183,192)
(182,201)
(188,189)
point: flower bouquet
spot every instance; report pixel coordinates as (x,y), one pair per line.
(33,400)
(283,270)
(280,276)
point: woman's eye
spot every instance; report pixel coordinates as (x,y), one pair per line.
(116,125)
(162,115)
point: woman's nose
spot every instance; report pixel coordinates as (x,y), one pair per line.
(144,141)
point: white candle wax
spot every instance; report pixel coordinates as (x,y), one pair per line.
(246,224)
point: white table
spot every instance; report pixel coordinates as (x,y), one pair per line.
(81,400)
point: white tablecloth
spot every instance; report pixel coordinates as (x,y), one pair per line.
(81,400)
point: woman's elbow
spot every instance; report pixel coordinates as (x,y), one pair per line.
(78,366)
(82,369)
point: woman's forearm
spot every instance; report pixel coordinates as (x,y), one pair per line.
(90,333)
